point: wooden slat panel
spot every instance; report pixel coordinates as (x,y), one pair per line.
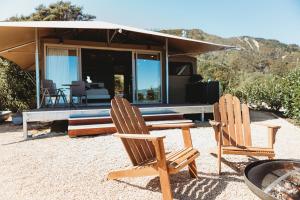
(143,128)
(183,157)
(127,143)
(179,154)
(129,123)
(170,155)
(258,149)
(137,129)
(119,118)
(216,112)
(249,153)
(184,163)
(246,125)
(223,112)
(230,118)
(217,118)
(238,121)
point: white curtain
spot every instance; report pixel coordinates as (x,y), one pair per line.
(57,68)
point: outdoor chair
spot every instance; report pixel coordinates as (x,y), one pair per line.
(147,152)
(78,90)
(50,91)
(232,130)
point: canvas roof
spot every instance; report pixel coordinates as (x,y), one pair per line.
(17,39)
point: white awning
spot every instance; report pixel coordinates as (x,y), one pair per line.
(17,39)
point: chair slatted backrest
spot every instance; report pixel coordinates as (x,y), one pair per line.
(235,116)
(128,119)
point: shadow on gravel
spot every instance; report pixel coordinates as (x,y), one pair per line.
(8,127)
(236,166)
(38,137)
(206,186)
(258,116)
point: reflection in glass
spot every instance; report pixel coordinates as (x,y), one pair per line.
(119,85)
(148,76)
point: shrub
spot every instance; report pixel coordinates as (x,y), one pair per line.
(263,92)
(272,92)
(291,90)
(17,90)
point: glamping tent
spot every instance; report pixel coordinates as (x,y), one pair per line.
(124,60)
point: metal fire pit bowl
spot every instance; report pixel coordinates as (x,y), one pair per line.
(262,177)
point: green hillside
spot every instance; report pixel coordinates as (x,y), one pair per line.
(256,58)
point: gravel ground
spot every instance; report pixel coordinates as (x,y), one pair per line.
(58,167)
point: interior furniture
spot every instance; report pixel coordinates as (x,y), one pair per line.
(96,91)
(77,89)
(49,91)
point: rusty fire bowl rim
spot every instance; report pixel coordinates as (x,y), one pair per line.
(256,190)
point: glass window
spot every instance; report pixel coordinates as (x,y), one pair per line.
(148,78)
(180,69)
(61,66)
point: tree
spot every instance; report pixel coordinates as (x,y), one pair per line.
(59,11)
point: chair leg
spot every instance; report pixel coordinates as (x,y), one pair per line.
(64,98)
(219,158)
(193,169)
(163,170)
(165,184)
(50,100)
(57,98)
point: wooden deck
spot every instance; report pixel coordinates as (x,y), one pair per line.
(92,115)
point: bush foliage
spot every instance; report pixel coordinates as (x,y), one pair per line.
(17,88)
(272,92)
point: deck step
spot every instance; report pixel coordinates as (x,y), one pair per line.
(107,119)
(108,128)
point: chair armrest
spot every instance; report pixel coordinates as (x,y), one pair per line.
(185,127)
(139,136)
(179,125)
(268,125)
(215,123)
(217,129)
(272,130)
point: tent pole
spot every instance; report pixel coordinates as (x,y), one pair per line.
(167,70)
(37,69)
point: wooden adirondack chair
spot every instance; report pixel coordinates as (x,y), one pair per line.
(232,130)
(147,152)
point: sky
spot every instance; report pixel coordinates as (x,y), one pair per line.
(271,19)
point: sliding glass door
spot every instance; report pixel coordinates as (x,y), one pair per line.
(61,66)
(148,78)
